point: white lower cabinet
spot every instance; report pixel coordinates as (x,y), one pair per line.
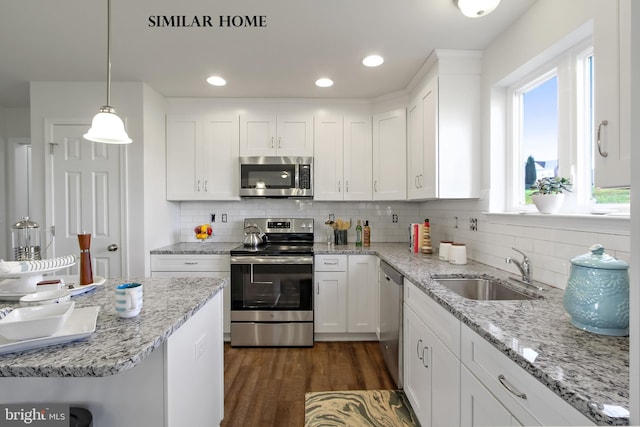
(502,381)
(346,294)
(431,362)
(480,408)
(215,266)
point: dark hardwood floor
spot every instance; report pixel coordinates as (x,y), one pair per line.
(266,386)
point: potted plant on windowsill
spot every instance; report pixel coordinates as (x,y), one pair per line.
(548,193)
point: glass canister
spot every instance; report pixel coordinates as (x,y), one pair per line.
(597,294)
(25,239)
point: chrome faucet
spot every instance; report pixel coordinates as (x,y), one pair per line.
(524,266)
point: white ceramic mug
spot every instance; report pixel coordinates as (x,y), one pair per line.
(443,250)
(458,253)
(128,299)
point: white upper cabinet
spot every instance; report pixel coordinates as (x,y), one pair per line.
(390,155)
(342,157)
(282,134)
(444,126)
(202,157)
(611,49)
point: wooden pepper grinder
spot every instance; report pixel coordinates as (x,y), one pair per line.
(86,272)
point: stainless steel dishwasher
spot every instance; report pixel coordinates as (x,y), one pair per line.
(391,296)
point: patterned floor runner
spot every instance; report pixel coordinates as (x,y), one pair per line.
(363,408)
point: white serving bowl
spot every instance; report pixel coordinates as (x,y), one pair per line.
(37,321)
(46,297)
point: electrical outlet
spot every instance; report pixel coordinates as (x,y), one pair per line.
(224,217)
(394,218)
(473,224)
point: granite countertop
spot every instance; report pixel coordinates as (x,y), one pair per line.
(589,371)
(197,248)
(117,344)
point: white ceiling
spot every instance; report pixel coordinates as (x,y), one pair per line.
(65,40)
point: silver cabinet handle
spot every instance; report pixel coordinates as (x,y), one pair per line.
(318,288)
(418,345)
(112,247)
(424,358)
(272,146)
(205,186)
(598,142)
(346,186)
(279,142)
(339,187)
(375,186)
(420,181)
(198,186)
(510,388)
(332,262)
(191,262)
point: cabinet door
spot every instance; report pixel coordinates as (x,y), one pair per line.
(294,135)
(328,159)
(363,294)
(478,407)
(330,306)
(445,383)
(221,169)
(357,158)
(429,110)
(390,156)
(610,48)
(257,135)
(417,375)
(184,164)
(415,148)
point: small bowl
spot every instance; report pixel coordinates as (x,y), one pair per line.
(46,297)
(26,323)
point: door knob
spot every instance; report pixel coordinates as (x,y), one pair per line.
(112,248)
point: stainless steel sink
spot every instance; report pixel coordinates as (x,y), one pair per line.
(482,289)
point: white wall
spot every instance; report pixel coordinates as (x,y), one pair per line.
(14,129)
(161,218)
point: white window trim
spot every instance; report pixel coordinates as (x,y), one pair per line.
(571,127)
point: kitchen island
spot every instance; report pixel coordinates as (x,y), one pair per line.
(163,367)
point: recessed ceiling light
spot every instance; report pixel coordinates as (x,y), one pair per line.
(324,82)
(216,81)
(373,61)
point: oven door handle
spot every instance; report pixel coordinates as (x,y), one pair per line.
(253,282)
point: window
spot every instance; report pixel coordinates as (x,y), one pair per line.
(552,133)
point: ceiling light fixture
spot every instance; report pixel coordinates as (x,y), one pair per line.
(476,8)
(373,61)
(106,126)
(324,82)
(216,81)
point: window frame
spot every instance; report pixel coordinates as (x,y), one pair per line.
(575,124)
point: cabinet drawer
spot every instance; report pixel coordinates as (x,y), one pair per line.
(497,372)
(190,263)
(330,263)
(443,323)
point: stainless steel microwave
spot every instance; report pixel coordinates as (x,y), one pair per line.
(276,176)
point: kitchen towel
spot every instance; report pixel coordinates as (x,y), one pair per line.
(359,408)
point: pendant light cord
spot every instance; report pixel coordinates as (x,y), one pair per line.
(108,53)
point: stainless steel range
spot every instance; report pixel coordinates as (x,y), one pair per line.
(272,285)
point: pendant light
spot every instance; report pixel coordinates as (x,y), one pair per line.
(476,8)
(106,126)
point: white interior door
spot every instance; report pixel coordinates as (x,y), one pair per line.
(85,197)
